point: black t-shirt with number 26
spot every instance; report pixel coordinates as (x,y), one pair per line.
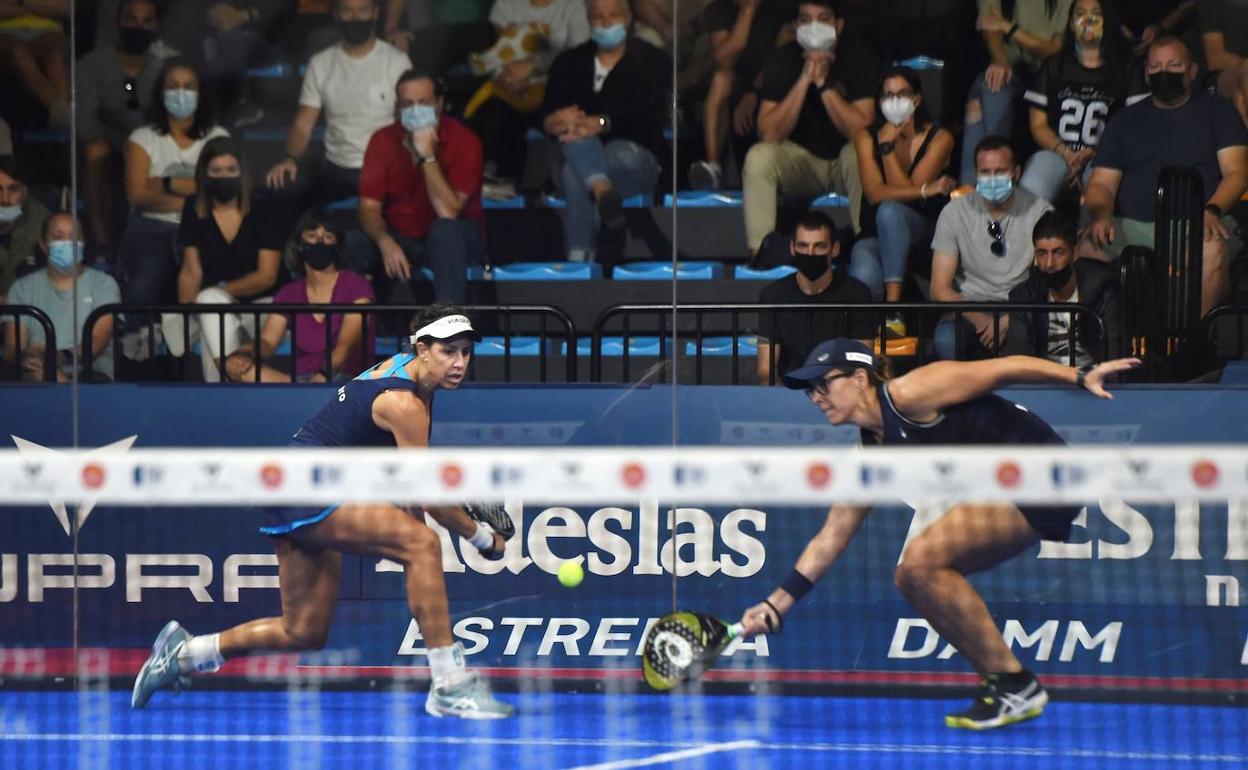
(1079,101)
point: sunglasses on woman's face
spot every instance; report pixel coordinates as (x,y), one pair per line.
(824,383)
(998,238)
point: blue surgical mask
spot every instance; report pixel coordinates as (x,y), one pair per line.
(417,116)
(9,214)
(995,187)
(181,102)
(609,38)
(65,255)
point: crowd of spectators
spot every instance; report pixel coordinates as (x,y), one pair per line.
(417,110)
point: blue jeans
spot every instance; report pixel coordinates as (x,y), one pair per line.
(998,119)
(630,168)
(1045,175)
(954,339)
(147,261)
(449,248)
(880,260)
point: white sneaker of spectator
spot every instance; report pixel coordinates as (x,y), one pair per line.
(705,175)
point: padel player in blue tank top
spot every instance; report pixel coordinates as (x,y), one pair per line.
(943,403)
(387,405)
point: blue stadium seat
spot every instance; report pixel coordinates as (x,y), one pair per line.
(921,63)
(702,199)
(722,346)
(45,136)
(548,271)
(662,271)
(746,273)
(633,202)
(520,346)
(831,200)
(613,347)
(274,71)
(514,202)
(346,204)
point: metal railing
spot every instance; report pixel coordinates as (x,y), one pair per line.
(692,323)
(488,319)
(11,314)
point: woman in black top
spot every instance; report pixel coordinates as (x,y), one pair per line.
(1077,91)
(902,157)
(231,251)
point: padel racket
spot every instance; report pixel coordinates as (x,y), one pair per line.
(682,645)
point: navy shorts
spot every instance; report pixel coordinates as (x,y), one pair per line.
(1051,521)
(281,520)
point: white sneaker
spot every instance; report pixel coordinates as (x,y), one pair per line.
(705,175)
(469,698)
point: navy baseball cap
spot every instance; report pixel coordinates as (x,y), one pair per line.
(832,354)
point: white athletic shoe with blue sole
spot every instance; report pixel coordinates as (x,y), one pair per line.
(469,698)
(161,670)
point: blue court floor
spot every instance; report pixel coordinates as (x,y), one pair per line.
(313,729)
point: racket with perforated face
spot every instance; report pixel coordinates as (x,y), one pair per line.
(682,645)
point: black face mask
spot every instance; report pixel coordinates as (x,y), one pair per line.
(1167,87)
(811,265)
(135,40)
(356,32)
(1055,281)
(318,256)
(223,189)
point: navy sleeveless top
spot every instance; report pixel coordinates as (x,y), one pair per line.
(988,419)
(347,420)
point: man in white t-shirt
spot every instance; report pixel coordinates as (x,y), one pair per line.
(353,84)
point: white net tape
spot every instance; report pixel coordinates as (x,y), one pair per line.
(590,475)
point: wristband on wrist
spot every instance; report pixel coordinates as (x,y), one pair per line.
(1081,380)
(167,183)
(1214,209)
(796,585)
(483,538)
(1010,35)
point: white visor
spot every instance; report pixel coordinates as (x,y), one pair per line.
(446,327)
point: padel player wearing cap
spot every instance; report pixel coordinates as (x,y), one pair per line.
(388,405)
(947,402)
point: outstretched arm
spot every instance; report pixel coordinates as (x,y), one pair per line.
(820,554)
(924,392)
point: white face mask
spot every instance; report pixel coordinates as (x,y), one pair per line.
(816,36)
(897,109)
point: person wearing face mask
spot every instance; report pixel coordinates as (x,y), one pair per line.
(1078,90)
(315,252)
(784,338)
(605,110)
(114,91)
(159,177)
(53,291)
(420,196)
(1179,126)
(1017,45)
(231,252)
(1057,276)
(21,223)
(351,85)
(817,92)
(902,157)
(981,250)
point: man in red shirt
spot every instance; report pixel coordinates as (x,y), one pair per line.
(420,195)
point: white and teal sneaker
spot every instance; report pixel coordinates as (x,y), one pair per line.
(161,668)
(469,698)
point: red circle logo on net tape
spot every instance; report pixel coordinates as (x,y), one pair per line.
(634,475)
(1205,473)
(271,475)
(819,475)
(93,475)
(452,475)
(1009,475)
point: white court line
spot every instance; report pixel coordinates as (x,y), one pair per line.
(1019,751)
(671,756)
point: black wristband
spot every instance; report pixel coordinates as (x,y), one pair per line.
(1010,35)
(1214,209)
(1081,379)
(167,184)
(796,585)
